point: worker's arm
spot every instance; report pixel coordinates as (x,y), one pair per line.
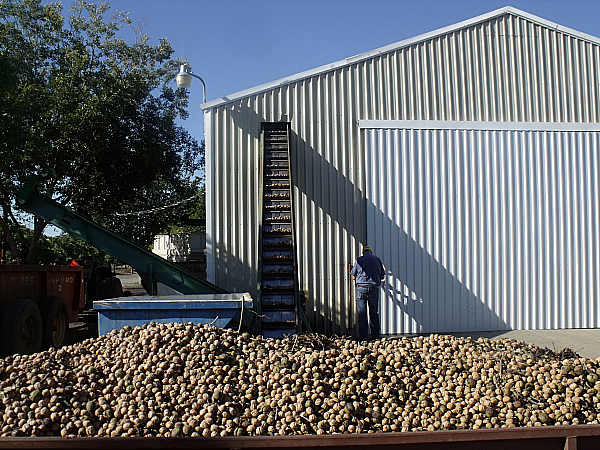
(354,270)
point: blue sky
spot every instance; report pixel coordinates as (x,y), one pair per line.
(237,44)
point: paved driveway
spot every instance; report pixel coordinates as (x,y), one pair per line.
(585,342)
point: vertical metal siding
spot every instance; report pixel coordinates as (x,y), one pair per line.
(507,68)
(485,230)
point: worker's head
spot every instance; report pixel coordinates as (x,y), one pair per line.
(367,249)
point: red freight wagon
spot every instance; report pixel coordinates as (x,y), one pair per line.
(36,305)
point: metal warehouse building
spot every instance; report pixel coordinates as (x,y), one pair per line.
(467,157)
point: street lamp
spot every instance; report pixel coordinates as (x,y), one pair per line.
(184,78)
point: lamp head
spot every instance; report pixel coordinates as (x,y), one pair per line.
(184,77)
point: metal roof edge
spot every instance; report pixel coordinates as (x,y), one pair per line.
(392,47)
(553,25)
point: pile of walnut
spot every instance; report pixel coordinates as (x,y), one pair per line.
(197,380)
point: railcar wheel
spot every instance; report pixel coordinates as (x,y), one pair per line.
(55,319)
(21,328)
(109,288)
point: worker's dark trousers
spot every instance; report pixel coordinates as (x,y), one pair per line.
(368,296)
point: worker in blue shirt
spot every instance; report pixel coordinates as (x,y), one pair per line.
(368,272)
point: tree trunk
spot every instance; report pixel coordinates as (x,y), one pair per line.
(9,236)
(38,229)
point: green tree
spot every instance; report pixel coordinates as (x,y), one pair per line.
(100,111)
(64,248)
(193,210)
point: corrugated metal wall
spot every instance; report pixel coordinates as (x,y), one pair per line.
(485,230)
(504,68)
(329,206)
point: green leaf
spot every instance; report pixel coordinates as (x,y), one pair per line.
(97,109)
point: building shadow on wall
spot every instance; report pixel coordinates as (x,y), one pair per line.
(235,265)
(425,296)
(436,301)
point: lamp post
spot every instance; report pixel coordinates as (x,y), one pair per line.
(184,78)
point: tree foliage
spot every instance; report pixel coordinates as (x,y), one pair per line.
(76,97)
(62,249)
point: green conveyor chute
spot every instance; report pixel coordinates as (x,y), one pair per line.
(156,268)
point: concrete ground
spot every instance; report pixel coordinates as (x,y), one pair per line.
(585,342)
